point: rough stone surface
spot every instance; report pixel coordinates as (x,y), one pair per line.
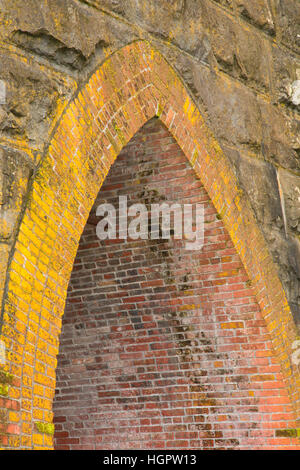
(288,18)
(278,215)
(32,100)
(281,137)
(54,27)
(15,172)
(65,33)
(233,110)
(291,190)
(286,68)
(259,180)
(295,93)
(257,12)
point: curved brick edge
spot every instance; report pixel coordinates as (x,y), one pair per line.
(132,86)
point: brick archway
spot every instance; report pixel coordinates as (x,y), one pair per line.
(132,86)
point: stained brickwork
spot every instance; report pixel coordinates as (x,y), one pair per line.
(162,347)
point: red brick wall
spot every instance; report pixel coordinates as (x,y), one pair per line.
(163,347)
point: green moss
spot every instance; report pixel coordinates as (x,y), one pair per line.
(45,428)
(119,133)
(194,158)
(287,432)
(5,377)
(159,110)
(4,390)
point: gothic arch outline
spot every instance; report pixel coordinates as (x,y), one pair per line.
(133,85)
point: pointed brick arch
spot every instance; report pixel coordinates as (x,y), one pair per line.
(132,86)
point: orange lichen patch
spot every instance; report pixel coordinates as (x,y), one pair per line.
(232,325)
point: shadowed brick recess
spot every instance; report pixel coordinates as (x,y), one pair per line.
(163,347)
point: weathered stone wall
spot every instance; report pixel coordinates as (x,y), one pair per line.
(53,55)
(239,58)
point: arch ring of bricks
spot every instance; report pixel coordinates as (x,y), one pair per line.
(132,86)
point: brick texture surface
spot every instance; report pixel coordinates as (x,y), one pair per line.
(162,347)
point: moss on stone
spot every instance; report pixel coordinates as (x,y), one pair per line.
(159,110)
(6,377)
(4,390)
(45,428)
(287,432)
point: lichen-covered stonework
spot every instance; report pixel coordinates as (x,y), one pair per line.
(239,61)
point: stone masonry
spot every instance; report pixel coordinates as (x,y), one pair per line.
(78,79)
